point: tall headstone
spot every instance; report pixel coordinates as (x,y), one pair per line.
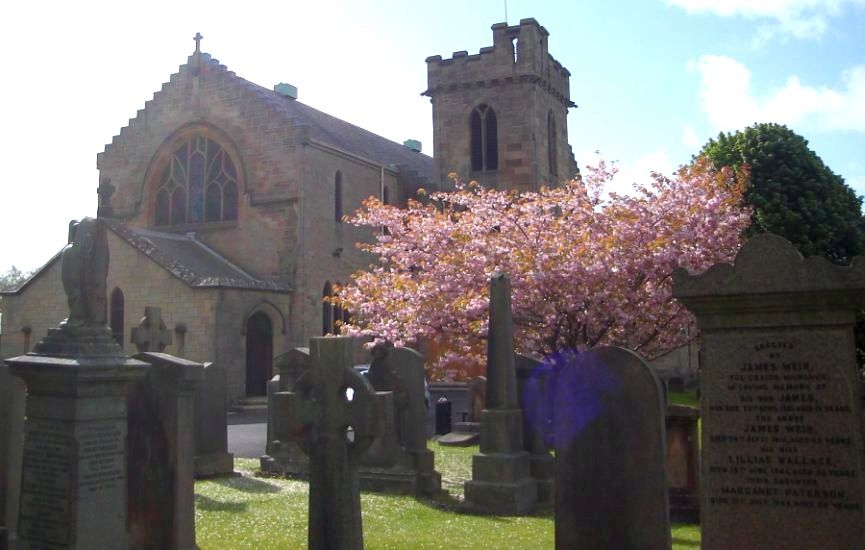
(162,453)
(683,463)
(533,391)
(782,449)
(12,392)
(285,456)
(501,482)
(211,424)
(335,414)
(399,459)
(73,479)
(611,490)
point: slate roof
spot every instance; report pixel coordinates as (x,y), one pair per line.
(192,261)
(185,257)
(336,132)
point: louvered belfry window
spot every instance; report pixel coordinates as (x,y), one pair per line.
(484,139)
(198,184)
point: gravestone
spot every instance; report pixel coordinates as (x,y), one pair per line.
(782,450)
(533,391)
(477,387)
(683,463)
(335,415)
(12,393)
(211,424)
(399,459)
(151,334)
(611,490)
(285,456)
(162,453)
(468,431)
(501,481)
(73,478)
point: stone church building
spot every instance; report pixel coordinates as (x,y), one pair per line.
(225,199)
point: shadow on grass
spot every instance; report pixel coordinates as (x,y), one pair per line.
(247,484)
(203,502)
(683,542)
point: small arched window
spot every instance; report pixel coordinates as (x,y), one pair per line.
(484,139)
(552,153)
(337,197)
(116,316)
(198,184)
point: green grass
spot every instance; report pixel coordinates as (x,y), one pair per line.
(264,513)
(683,398)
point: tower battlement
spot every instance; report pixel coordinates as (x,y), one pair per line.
(519,53)
(500,116)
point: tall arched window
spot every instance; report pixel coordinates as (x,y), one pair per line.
(552,154)
(332,316)
(337,197)
(484,139)
(198,184)
(116,316)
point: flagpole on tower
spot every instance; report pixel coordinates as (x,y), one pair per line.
(506,11)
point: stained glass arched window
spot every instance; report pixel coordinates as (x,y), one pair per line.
(198,184)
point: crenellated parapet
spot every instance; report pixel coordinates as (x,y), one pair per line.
(519,54)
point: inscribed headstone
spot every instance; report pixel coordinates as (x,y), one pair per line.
(782,448)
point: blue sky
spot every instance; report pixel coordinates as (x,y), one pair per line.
(654,79)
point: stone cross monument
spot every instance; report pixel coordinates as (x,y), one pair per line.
(151,334)
(335,415)
(73,486)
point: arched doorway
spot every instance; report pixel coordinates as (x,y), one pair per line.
(259,353)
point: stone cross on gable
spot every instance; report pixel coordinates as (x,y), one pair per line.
(197,39)
(151,334)
(335,415)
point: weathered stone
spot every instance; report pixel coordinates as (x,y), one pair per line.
(477,398)
(285,456)
(84,271)
(399,459)
(500,481)
(73,476)
(611,490)
(533,391)
(12,394)
(73,479)
(782,442)
(151,334)
(335,414)
(683,463)
(162,453)
(211,424)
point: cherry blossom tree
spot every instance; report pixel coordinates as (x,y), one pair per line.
(586,268)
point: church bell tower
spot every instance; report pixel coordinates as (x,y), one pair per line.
(500,116)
